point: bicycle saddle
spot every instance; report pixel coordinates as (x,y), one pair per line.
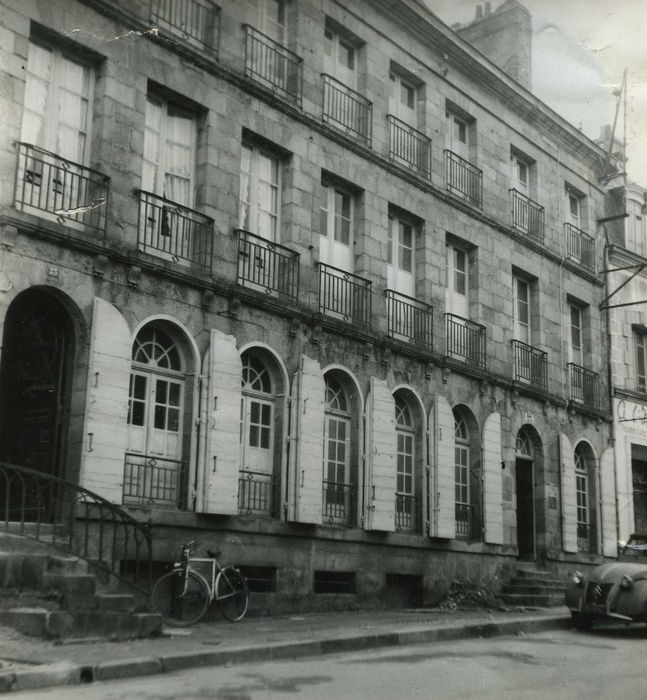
(212,554)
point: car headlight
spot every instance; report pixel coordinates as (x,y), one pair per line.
(577,577)
(626,582)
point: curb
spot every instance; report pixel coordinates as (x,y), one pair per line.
(65,673)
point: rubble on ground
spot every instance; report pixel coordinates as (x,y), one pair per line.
(468,594)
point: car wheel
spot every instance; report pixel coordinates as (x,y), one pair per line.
(582,622)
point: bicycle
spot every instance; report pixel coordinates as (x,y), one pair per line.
(182,596)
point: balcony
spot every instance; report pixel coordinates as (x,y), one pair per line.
(347,110)
(256,494)
(407,513)
(409,320)
(465,341)
(409,147)
(530,365)
(464,179)
(267,267)
(585,386)
(174,232)
(527,216)
(465,526)
(580,247)
(337,503)
(273,66)
(153,481)
(584,538)
(52,187)
(344,296)
(196,22)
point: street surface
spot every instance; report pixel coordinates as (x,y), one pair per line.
(566,665)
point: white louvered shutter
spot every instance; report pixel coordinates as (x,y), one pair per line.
(221,415)
(569,495)
(492,482)
(608,488)
(105,432)
(306,456)
(381,481)
(443,496)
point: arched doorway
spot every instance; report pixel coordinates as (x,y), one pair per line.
(35,374)
(524,478)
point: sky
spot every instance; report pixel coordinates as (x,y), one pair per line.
(580,50)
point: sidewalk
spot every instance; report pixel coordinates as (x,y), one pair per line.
(35,663)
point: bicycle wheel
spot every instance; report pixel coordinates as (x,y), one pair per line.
(232,593)
(179,600)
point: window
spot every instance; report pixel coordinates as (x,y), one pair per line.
(640,341)
(169,151)
(273,19)
(337,448)
(573,209)
(154,466)
(260,192)
(403,99)
(457,281)
(521,310)
(522,169)
(584,490)
(462,479)
(339,57)
(576,352)
(336,228)
(58,100)
(406,511)
(401,256)
(257,419)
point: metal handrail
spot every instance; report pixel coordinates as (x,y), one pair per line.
(407,512)
(585,385)
(72,518)
(256,493)
(346,109)
(409,319)
(530,364)
(344,295)
(465,340)
(196,21)
(463,178)
(580,247)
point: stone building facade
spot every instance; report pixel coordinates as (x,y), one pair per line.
(316,282)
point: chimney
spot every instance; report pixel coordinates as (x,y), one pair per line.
(505,37)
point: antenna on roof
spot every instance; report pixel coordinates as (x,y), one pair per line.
(619,94)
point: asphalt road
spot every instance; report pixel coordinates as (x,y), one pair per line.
(607,663)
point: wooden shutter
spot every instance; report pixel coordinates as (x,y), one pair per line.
(608,488)
(492,482)
(221,422)
(105,432)
(381,479)
(569,495)
(306,440)
(444,481)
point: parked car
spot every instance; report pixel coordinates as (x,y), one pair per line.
(615,591)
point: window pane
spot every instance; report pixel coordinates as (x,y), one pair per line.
(160,417)
(253,436)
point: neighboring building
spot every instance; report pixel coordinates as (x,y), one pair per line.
(626,305)
(314,281)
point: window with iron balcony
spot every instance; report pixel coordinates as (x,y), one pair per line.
(527,214)
(579,245)
(462,177)
(52,177)
(196,22)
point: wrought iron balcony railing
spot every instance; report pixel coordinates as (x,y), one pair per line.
(197,22)
(69,193)
(256,494)
(463,178)
(465,341)
(174,232)
(585,386)
(344,295)
(409,319)
(267,266)
(530,365)
(272,65)
(150,480)
(465,526)
(580,247)
(337,503)
(527,216)
(407,512)
(347,110)
(409,147)
(584,532)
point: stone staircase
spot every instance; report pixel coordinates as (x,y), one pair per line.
(534,588)
(47,593)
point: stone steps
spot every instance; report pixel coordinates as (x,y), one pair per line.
(44,592)
(535,588)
